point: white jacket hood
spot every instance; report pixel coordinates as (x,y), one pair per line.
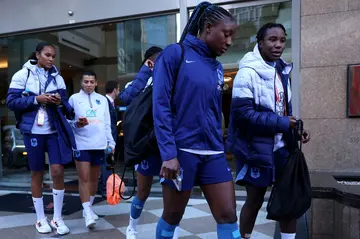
(255,61)
(31,65)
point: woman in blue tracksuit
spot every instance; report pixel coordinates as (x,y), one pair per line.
(261,125)
(187,117)
(149,167)
(37,95)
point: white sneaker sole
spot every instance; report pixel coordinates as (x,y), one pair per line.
(91,225)
(43,232)
(61,234)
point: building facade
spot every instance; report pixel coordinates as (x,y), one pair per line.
(111,36)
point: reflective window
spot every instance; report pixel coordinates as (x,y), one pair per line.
(114,51)
(249,20)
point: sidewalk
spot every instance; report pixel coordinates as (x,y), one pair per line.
(197,222)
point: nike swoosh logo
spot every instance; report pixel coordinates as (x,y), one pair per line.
(189,61)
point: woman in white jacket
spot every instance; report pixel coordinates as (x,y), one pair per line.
(92,130)
(260,133)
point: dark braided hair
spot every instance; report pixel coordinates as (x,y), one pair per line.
(262,31)
(203,14)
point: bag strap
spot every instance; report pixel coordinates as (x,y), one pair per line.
(178,69)
(133,168)
(300,131)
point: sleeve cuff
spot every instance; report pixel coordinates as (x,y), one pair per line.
(284,124)
(171,155)
(35,101)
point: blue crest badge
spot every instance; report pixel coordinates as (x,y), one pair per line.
(145,165)
(34,142)
(77,154)
(98,102)
(255,173)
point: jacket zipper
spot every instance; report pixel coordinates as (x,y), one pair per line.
(273,158)
(90,101)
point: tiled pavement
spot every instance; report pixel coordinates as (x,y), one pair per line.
(197,222)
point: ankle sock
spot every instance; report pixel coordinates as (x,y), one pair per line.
(164,230)
(228,231)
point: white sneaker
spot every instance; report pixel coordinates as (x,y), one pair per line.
(60,226)
(89,221)
(130,233)
(43,226)
(93,214)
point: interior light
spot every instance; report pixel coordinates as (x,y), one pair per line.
(227,79)
(24,153)
(3,64)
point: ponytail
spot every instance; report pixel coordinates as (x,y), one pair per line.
(32,58)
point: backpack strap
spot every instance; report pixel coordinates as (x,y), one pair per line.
(133,168)
(178,69)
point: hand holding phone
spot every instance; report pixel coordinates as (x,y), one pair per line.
(82,122)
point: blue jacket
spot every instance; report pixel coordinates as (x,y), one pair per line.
(137,85)
(26,109)
(253,121)
(189,116)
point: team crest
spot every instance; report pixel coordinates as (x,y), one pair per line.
(220,80)
(145,165)
(255,172)
(77,154)
(34,142)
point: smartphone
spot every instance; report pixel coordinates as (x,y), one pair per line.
(82,120)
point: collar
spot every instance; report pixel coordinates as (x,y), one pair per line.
(111,99)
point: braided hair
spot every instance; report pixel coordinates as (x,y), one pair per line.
(204,13)
(260,36)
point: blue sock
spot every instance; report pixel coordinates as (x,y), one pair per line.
(136,208)
(228,231)
(164,230)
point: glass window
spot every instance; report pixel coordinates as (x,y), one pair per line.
(114,51)
(249,20)
(136,36)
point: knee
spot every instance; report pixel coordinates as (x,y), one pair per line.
(172,217)
(143,194)
(57,172)
(37,175)
(226,215)
(84,178)
(254,203)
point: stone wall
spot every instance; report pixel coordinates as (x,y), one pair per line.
(330,40)
(328,219)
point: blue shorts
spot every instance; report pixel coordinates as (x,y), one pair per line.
(150,166)
(261,176)
(94,157)
(36,145)
(197,170)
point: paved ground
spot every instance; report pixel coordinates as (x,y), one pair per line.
(197,222)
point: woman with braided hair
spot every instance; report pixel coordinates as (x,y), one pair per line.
(187,120)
